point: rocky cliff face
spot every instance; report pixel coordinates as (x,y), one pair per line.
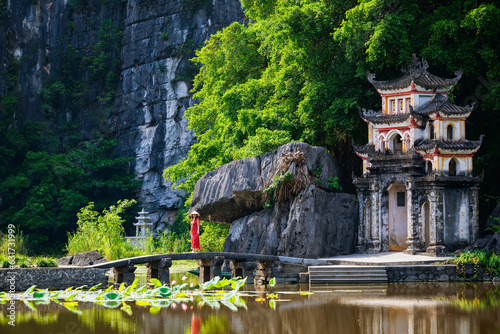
(319,221)
(154,92)
(146,113)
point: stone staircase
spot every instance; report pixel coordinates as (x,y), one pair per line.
(346,274)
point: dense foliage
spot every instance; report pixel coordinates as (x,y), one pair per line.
(297,71)
(104,232)
(47,189)
(489,261)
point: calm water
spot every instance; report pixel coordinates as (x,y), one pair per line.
(393,309)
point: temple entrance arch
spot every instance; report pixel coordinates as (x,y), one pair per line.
(452,167)
(397,144)
(397,217)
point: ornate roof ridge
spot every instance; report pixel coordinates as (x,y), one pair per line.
(440,103)
(377,117)
(415,72)
(363,149)
(429,144)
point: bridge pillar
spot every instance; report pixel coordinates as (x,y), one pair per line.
(209,268)
(160,270)
(263,273)
(242,269)
(124,274)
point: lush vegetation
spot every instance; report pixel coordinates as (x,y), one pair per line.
(44,193)
(297,71)
(104,232)
(14,252)
(489,261)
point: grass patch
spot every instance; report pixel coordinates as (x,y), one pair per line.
(23,261)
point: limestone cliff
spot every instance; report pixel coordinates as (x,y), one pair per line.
(146,108)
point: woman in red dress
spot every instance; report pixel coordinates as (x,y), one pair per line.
(195,231)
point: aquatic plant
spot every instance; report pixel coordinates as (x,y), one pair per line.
(155,295)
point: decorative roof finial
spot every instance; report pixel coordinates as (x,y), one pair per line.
(370,76)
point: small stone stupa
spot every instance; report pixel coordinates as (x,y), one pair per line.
(142,229)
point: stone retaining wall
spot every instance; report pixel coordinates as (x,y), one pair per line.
(433,273)
(51,278)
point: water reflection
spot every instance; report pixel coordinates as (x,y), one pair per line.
(371,309)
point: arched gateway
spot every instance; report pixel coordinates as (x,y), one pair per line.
(417,188)
(397,217)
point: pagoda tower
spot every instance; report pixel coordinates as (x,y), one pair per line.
(417,192)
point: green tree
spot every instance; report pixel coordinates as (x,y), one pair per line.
(278,79)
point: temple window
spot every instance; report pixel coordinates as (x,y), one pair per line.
(401,105)
(400,198)
(393,106)
(429,167)
(397,144)
(449,132)
(431,131)
(452,167)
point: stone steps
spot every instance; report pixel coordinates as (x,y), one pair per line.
(379,288)
(347,274)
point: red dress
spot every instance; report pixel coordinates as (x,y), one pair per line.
(195,237)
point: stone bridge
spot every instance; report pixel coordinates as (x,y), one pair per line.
(158,266)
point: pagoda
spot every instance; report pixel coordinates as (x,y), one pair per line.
(417,192)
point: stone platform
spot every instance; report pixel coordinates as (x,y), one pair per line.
(399,267)
(388,258)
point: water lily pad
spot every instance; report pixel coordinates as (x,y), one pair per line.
(112,296)
(44,294)
(164,291)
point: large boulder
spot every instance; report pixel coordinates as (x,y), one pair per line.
(494,218)
(87,259)
(234,190)
(490,242)
(316,224)
(320,224)
(259,232)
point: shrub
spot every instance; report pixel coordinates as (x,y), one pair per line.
(4,262)
(213,236)
(164,35)
(102,232)
(45,262)
(489,261)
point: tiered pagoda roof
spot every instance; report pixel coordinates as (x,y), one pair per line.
(440,104)
(428,145)
(416,73)
(378,117)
